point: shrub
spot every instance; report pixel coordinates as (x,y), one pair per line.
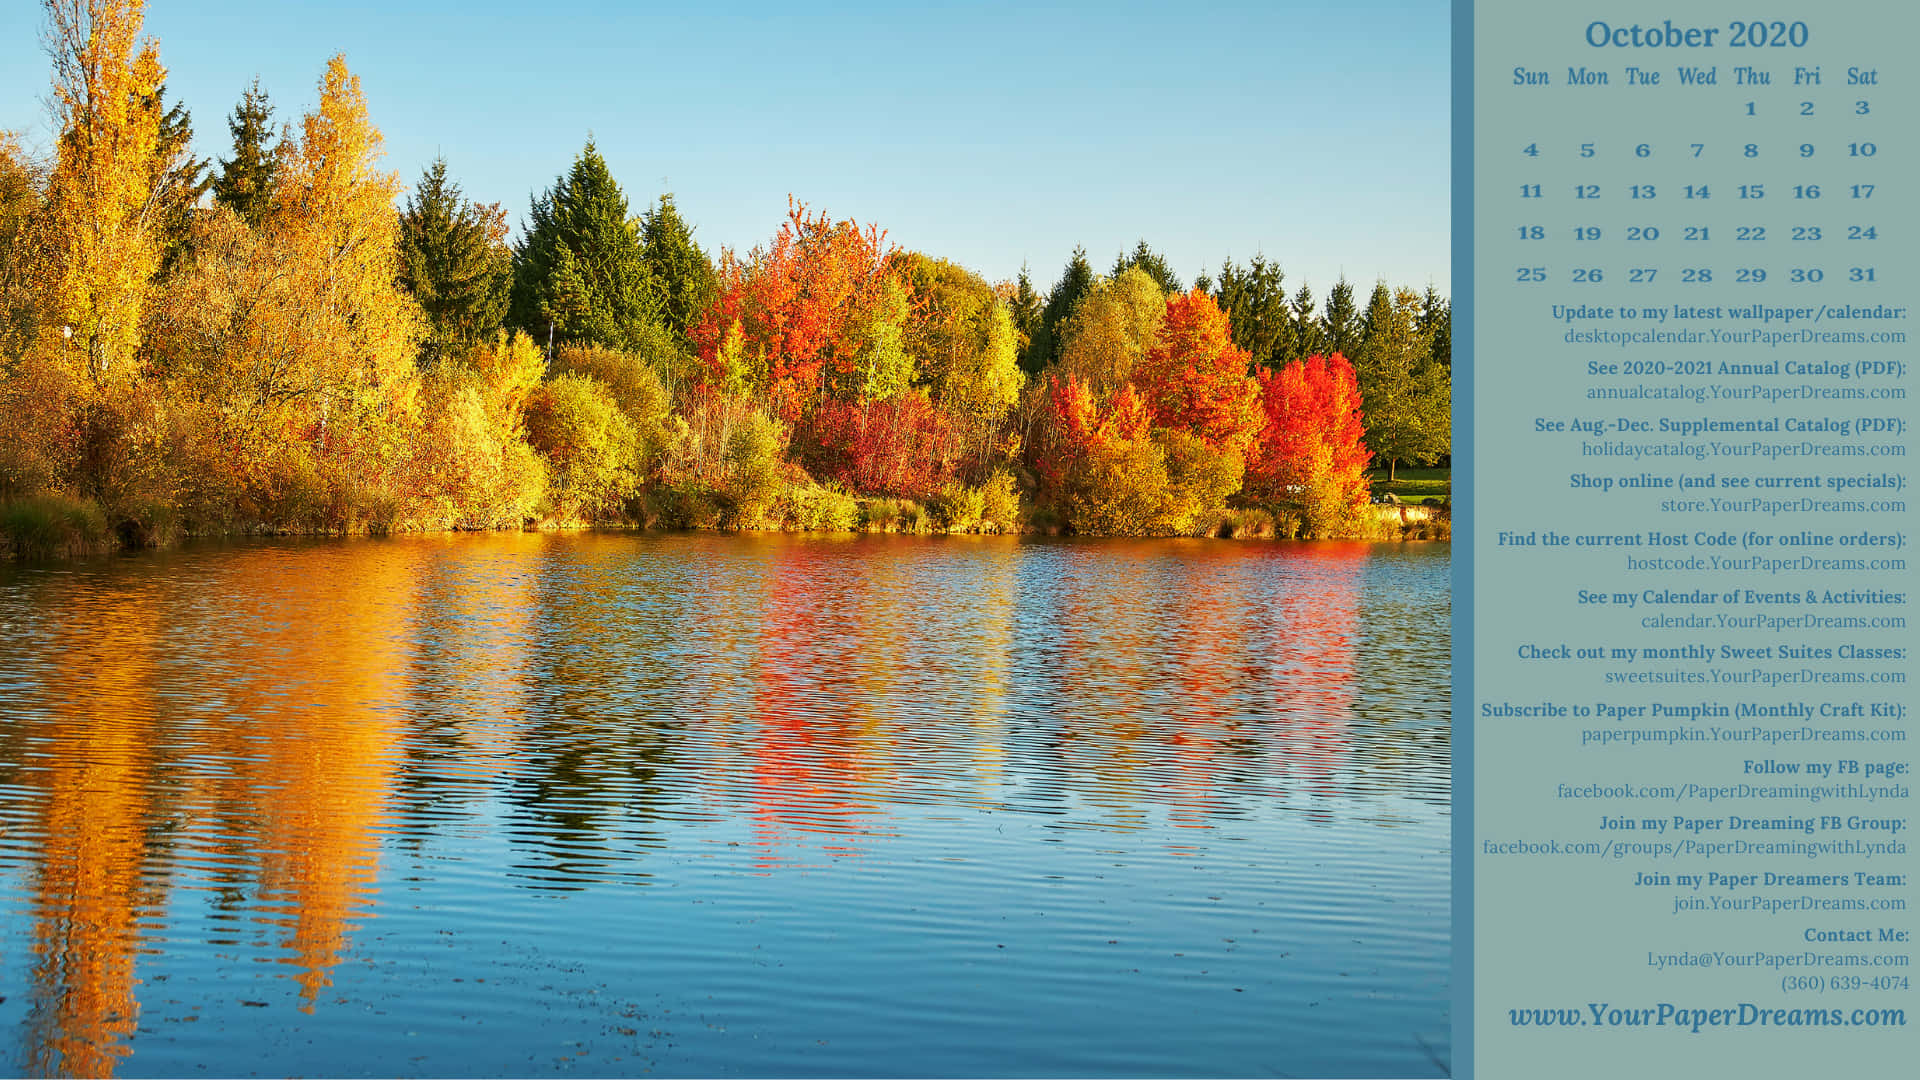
(957,508)
(895,515)
(999,504)
(816,508)
(589,444)
(753,480)
(636,388)
(147,522)
(1248,522)
(473,469)
(682,506)
(1199,475)
(880,515)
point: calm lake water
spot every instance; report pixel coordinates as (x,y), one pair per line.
(726,805)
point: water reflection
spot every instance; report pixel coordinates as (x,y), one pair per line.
(235,754)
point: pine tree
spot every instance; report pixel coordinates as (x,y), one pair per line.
(455,260)
(580,273)
(1153,264)
(1309,338)
(1074,282)
(1257,306)
(181,180)
(1341,324)
(246,179)
(687,280)
(1436,321)
(1024,307)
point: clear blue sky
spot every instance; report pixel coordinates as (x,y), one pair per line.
(990,134)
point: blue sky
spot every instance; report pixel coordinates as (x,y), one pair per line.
(990,134)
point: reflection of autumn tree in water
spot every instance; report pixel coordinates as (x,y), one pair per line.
(89,894)
(1253,628)
(313,684)
(1099,734)
(1311,658)
(822,659)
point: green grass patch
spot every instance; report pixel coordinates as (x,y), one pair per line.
(1413,485)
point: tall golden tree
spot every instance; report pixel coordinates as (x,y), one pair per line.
(333,223)
(103,211)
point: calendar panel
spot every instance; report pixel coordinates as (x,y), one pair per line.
(1693,285)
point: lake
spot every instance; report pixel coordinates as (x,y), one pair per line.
(709,804)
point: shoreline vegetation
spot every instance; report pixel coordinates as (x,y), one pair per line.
(280,343)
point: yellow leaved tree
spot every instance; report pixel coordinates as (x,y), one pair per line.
(102,212)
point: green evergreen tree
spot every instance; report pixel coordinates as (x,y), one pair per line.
(246,179)
(580,273)
(1024,308)
(1341,324)
(688,283)
(1436,321)
(182,181)
(1074,282)
(1256,307)
(455,261)
(1379,310)
(1152,264)
(1309,337)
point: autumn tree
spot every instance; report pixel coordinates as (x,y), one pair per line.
(1194,378)
(1116,321)
(22,186)
(1407,394)
(455,261)
(246,179)
(297,336)
(1105,468)
(963,339)
(103,214)
(580,272)
(813,312)
(331,218)
(1310,452)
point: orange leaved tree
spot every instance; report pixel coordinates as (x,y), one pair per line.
(1311,452)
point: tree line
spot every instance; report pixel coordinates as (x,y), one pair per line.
(277,341)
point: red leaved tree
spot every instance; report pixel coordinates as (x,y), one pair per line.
(1194,378)
(799,304)
(1311,450)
